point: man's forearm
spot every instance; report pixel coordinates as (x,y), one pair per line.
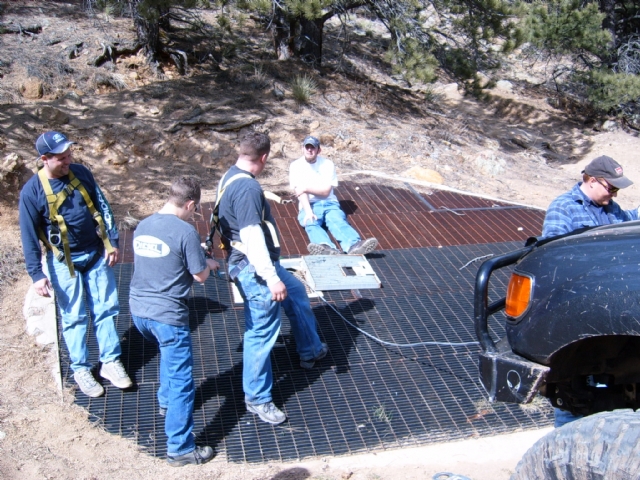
(257,252)
(322,190)
(305,204)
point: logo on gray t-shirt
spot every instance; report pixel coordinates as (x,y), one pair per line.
(148,246)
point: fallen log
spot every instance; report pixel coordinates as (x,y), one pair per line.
(17,28)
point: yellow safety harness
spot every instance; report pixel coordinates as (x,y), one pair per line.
(55,201)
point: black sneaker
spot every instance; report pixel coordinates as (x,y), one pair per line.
(363,247)
(322,249)
(268,412)
(195,457)
(308,364)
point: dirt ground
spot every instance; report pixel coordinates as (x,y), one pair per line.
(513,146)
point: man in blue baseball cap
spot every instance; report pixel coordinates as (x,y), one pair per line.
(63,207)
(53,143)
(313,179)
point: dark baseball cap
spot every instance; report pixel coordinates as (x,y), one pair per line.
(52,142)
(607,168)
(311,140)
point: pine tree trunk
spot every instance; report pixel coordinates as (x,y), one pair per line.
(609,23)
(281,33)
(309,41)
(148,32)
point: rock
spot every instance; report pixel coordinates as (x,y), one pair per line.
(278,92)
(32,89)
(129,114)
(117,159)
(489,163)
(326,140)
(424,174)
(277,149)
(609,126)
(10,163)
(53,115)
(40,313)
(483,80)
(314,125)
(504,85)
(71,98)
(450,91)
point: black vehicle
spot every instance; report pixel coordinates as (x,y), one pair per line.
(572,325)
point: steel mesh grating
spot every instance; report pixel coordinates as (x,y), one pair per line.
(363,396)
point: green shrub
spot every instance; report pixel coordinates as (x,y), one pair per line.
(303,88)
(414,62)
(566,26)
(608,90)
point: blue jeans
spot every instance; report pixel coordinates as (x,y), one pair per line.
(562,417)
(177,391)
(329,214)
(97,287)
(262,320)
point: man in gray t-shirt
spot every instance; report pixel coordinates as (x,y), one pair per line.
(168,258)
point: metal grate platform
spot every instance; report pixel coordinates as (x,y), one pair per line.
(363,396)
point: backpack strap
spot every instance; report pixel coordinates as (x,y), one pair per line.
(215,219)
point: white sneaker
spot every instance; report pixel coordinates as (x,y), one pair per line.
(268,412)
(87,383)
(116,374)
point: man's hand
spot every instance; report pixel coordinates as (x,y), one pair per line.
(112,258)
(213,265)
(278,292)
(309,217)
(43,287)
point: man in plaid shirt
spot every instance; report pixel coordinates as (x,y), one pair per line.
(590,202)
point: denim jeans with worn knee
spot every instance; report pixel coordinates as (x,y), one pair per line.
(95,287)
(177,391)
(262,325)
(329,214)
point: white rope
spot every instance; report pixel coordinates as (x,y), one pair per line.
(391,344)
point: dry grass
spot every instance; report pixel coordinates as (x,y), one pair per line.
(537,405)
(128,222)
(11,266)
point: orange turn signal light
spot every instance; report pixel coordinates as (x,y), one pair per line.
(518,295)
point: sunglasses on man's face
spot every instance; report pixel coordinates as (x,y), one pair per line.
(611,189)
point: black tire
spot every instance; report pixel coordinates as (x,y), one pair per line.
(604,446)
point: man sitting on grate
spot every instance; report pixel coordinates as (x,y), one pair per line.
(313,179)
(168,258)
